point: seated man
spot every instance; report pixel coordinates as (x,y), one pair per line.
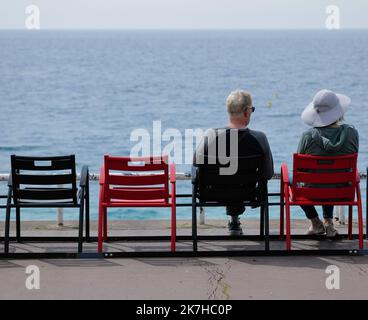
(249,142)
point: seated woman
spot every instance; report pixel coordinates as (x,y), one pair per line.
(327,137)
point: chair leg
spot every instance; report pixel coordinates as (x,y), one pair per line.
(7,230)
(105,223)
(173,228)
(267,228)
(288,228)
(350,223)
(360,217)
(88,239)
(282,216)
(100,228)
(262,222)
(17,219)
(194,220)
(360,226)
(81,223)
(366,215)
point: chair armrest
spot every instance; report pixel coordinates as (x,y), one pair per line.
(285,173)
(172,173)
(102,175)
(84,176)
(194,174)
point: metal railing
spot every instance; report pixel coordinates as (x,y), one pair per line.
(339,211)
(179,176)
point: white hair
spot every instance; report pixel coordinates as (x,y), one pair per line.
(237,102)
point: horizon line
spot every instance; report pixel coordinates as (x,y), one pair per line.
(179,29)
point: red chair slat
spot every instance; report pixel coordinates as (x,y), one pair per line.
(137,180)
(128,164)
(324,193)
(322,162)
(325,178)
(136,194)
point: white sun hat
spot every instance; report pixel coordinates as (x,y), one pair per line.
(326,108)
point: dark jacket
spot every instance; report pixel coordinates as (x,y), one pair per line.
(250,142)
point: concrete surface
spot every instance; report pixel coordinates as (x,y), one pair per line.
(178,279)
(181,278)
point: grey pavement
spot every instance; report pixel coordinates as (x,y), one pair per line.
(183,278)
(187,278)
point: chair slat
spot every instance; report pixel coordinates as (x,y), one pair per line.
(63,164)
(330,194)
(45,179)
(232,180)
(125,164)
(325,178)
(137,194)
(319,162)
(135,180)
(45,194)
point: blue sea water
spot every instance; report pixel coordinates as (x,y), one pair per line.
(83,92)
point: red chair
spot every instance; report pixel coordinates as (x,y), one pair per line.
(320,180)
(149,188)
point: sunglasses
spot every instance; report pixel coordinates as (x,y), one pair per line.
(253,109)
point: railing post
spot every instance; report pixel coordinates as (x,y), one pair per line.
(340,214)
(60,214)
(202,216)
(60,217)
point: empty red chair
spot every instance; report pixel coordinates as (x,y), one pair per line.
(320,180)
(122,186)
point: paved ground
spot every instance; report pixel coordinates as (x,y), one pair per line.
(164,278)
(182,278)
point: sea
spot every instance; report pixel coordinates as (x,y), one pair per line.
(87,93)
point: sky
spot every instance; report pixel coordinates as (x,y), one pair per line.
(183,14)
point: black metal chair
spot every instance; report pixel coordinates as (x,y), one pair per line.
(211,189)
(46,182)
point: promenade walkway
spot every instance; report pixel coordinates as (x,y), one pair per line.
(181,278)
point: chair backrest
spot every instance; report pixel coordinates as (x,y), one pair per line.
(245,185)
(322,178)
(44,179)
(136,179)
